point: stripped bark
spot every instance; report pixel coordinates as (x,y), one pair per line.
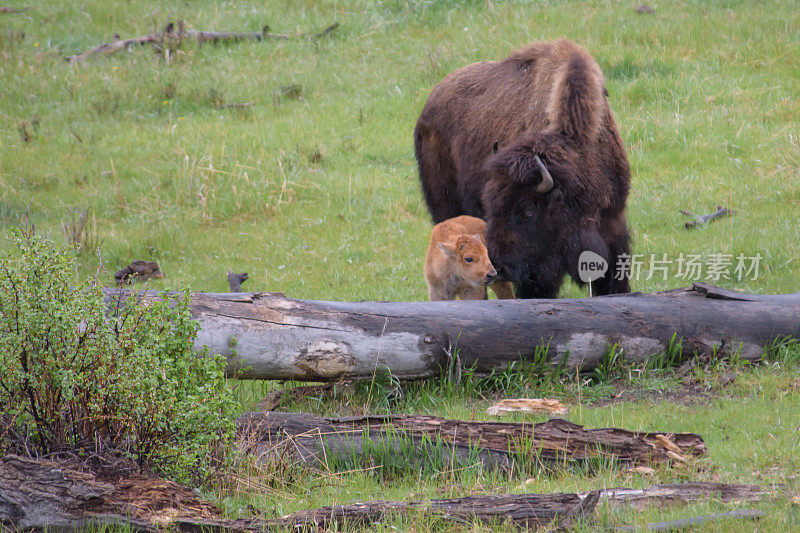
(270,336)
(320,441)
(173,37)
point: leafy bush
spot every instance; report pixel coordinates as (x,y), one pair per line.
(122,377)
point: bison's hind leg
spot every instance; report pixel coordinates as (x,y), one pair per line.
(437,174)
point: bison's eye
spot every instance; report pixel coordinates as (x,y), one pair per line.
(468,260)
(528,214)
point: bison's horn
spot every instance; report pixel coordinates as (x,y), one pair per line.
(547,180)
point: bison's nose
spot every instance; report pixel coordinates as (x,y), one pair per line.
(503,272)
(490,277)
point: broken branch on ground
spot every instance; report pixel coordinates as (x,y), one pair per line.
(705,219)
(173,35)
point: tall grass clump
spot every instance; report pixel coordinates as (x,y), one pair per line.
(122,382)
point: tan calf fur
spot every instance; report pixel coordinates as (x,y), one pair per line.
(457,264)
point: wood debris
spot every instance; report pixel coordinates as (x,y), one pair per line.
(528,405)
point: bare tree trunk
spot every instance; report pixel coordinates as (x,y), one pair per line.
(270,336)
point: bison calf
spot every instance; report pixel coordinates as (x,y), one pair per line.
(457,264)
(530,145)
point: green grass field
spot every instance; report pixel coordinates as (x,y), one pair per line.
(312,189)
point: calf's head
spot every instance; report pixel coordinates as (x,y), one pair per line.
(469,260)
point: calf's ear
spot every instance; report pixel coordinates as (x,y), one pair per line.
(448,248)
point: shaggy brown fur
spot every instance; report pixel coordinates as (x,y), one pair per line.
(457,264)
(476,143)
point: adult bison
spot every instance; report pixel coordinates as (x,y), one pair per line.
(530,145)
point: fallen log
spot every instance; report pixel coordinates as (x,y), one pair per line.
(38,494)
(426,440)
(49,495)
(173,36)
(528,510)
(523,510)
(270,336)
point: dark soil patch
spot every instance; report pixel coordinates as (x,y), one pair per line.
(690,392)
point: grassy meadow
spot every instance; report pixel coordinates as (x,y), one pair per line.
(312,189)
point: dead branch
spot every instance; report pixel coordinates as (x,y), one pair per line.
(318,440)
(704,219)
(235,281)
(13,9)
(175,38)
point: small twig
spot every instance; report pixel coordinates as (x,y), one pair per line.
(704,219)
(13,9)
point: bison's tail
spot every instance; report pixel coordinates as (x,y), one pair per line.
(577,102)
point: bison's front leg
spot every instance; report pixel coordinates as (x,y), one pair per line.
(544,282)
(537,289)
(617,279)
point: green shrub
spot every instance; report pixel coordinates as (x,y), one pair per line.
(122,377)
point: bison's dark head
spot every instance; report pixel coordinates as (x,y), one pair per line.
(531,207)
